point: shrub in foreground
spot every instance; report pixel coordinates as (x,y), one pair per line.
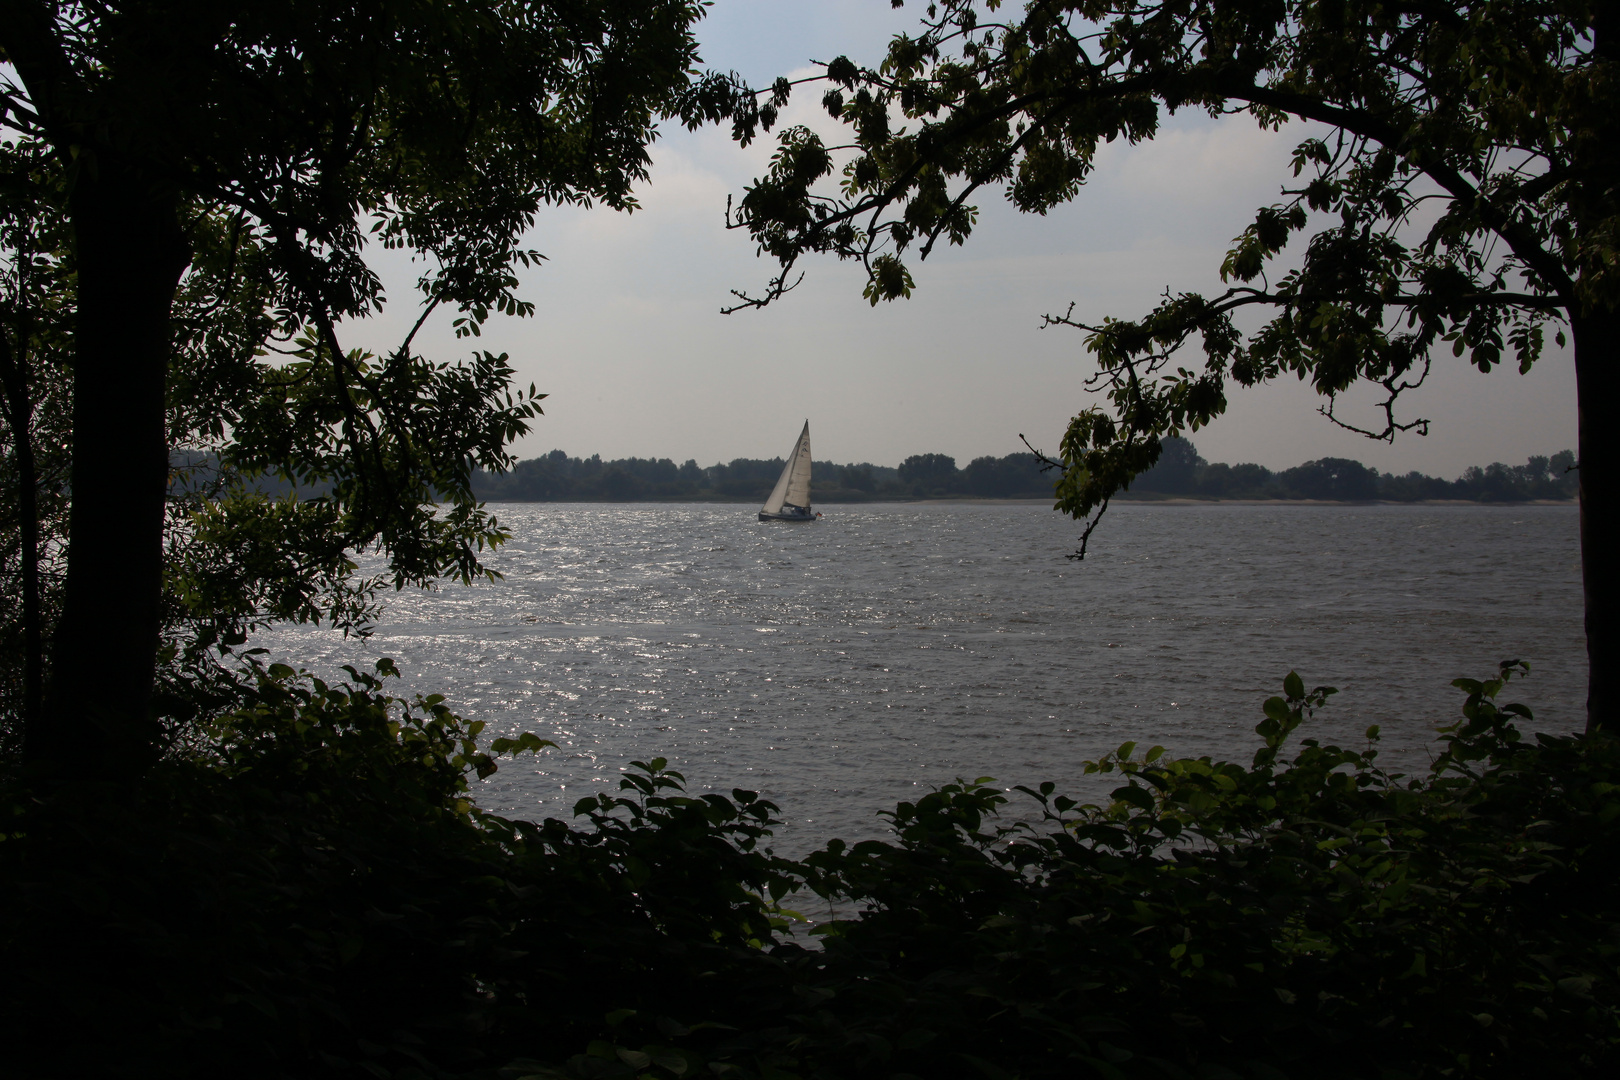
(1307,917)
(318,897)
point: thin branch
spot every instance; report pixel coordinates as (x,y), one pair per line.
(1091,527)
(410,337)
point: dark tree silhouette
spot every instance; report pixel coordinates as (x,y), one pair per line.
(1500,118)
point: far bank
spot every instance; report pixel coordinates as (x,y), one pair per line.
(1180,473)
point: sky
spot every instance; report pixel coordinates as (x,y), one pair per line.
(628,340)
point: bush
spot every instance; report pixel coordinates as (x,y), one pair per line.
(317,896)
(1315,917)
(314,895)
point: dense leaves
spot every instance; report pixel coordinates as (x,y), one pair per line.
(36,284)
(1454,192)
(1489,109)
(313,894)
(217,177)
(1311,917)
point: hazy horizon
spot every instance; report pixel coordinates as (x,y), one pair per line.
(963,462)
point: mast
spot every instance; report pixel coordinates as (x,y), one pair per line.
(793,486)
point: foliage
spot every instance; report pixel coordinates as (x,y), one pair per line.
(36,283)
(524,109)
(218,583)
(1459,195)
(235,559)
(219,177)
(1216,916)
(1415,95)
(1312,917)
(928,473)
(314,894)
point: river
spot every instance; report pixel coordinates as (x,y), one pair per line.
(841,666)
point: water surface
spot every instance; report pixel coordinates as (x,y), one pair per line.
(840,666)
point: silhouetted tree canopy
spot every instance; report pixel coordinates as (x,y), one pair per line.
(1176,471)
(1456,192)
(246,156)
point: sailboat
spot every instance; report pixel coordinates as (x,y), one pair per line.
(790,498)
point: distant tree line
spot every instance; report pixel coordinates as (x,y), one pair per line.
(1181,471)
(556,477)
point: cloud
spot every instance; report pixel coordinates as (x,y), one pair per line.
(628,339)
(1201,162)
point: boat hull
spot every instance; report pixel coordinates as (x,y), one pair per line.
(786,517)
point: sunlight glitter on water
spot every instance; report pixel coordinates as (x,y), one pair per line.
(842,666)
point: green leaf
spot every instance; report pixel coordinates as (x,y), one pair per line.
(1134,795)
(633,1058)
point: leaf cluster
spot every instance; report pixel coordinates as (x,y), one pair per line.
(313,893)
(1457,200)
(37,279)
(289,142)
(1303,917)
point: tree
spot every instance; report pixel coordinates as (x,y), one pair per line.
(926,474)
(232,558)
(1463,195)
(857,477)
(1176,470)
(294,133)
(35,427)
(1331,478)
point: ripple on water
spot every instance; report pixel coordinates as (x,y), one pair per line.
(842,666)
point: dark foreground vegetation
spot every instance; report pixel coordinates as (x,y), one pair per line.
(210,872)
(309,893)
(1180,471)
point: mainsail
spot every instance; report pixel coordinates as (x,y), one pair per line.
(793,486)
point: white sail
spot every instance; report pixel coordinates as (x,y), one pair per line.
(798,487)
(793,486)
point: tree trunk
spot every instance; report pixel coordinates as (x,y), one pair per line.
(1597,383)
(19,415)
(130,253)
